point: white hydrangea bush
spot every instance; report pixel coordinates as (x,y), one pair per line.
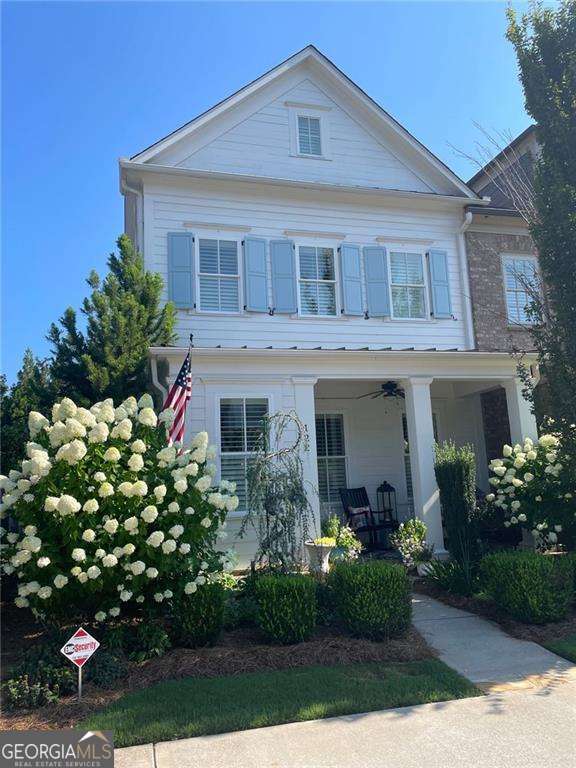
(533,484)
(112,521)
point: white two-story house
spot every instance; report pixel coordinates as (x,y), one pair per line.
(316,251)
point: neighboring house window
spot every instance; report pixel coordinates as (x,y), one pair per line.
(407,466)
(520,272)
(408,285)
(331,453)
(317,281)
(218,275)
(240,428)
(309,140)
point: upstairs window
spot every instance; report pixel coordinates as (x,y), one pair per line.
(317,281)
(331,454)
(240,428)
(520,275)
(309,141)
(218,275)
(408,285)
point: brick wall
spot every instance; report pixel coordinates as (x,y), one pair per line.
(491,328)
(495,422)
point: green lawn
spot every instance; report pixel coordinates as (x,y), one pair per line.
(565,647)
(194,707)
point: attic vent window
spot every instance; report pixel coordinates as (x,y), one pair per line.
(309,142)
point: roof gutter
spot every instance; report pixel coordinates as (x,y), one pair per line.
(314,353)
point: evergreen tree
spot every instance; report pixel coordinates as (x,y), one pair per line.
(124,317)
(32,391)
(545,44)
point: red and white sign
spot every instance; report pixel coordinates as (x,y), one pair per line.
(80,647)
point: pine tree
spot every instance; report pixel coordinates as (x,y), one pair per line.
(124,317)
(32,391)
(545,44)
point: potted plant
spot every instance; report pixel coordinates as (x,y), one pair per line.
(319,553)
(348,545)
(410,541)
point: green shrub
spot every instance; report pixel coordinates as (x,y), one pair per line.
(105,668)
(373,598)
(198,618)
(150,640)
(25,693)
(286,607)
(454,577)
(240,611)
(530,587)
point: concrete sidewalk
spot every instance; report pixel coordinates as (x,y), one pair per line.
(528,729)
(482,652)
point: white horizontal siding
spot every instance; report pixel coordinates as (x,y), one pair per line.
(268,214)
(260,145)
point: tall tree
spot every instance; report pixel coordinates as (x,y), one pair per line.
(124,317)
(32,391)
(545,44)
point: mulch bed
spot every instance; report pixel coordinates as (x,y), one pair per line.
(537,633)
(237,652)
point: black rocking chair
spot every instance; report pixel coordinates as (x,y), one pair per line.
(357,499)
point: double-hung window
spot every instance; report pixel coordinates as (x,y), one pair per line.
(309,138)
(520,278)
(218,275)
(331,453)
(317,280)
(408,285)
(240,428)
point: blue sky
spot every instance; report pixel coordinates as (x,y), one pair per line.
(86,83)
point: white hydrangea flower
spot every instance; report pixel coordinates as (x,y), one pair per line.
(149,514)
(131,523)
(515,505)
(191,470)
(176,531)
(60,581)
(160,492)
(123,430)
(167,454)
(173,507)
(531,455)
(140,599)
(44,592)
(12,537)
(100,616)
(125,488)
(36,423)
(189,511)
(206,522)
(547,441)
(155,539)
(190,588)
(168,546)
(152,573)
(137,567)
(139,488)
(114,612)
(111,526)
(91,505)
(138,446)
(146,401)
(136,462)
(57,434)
(203,483)
(112,454)
(522,517)
(232,503)
(158,596)
(105,490)
(184,548)
(79,554)
(72,452)
(147,417)
(180,486)
(88,535)
(31,543)
(168,594)
(125,595)
(93,572)
(211,452)
(167,417)
(76,570)
(99,554)
(43,562)
(120,413)
(21,602)
(128,549)
(99,433)
(130,405)
(109,561)
(85,418)
(30,530)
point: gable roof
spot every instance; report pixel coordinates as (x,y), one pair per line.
(312,54)
(510,149)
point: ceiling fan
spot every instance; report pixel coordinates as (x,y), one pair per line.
(388,389)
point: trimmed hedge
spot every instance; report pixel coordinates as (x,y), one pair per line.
(286,607)
(373,598)
(530,587)
(197,619)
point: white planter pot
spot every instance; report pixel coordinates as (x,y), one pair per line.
(423,569)
(319,556)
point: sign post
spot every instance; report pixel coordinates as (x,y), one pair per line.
(78,649)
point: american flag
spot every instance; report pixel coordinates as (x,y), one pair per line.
(177,399)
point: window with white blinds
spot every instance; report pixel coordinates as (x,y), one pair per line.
(240,428)
(317,281)
(331,453)
(520,278)
(407,466)
(408,285)
(218,275)
(309,141)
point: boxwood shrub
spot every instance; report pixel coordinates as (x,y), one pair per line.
(530,587)
(373,598)
(286,610)
(197,618)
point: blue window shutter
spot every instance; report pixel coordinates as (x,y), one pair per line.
(439,284)
(376,271)
(351,277)
(255,274)
(181,269)
(283,276)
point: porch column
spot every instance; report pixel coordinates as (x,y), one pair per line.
(421,438)
(522,420)
(306,410)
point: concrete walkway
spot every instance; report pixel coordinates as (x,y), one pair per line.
(482,652)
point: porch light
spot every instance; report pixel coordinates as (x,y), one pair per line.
(386,498)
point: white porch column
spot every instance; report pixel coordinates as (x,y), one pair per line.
(306,410)
(421,438)
(520,416)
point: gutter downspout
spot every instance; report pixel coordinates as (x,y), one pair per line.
(155,381)
(465,280)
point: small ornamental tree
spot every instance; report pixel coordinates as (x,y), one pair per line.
(534,485)
(112,520)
